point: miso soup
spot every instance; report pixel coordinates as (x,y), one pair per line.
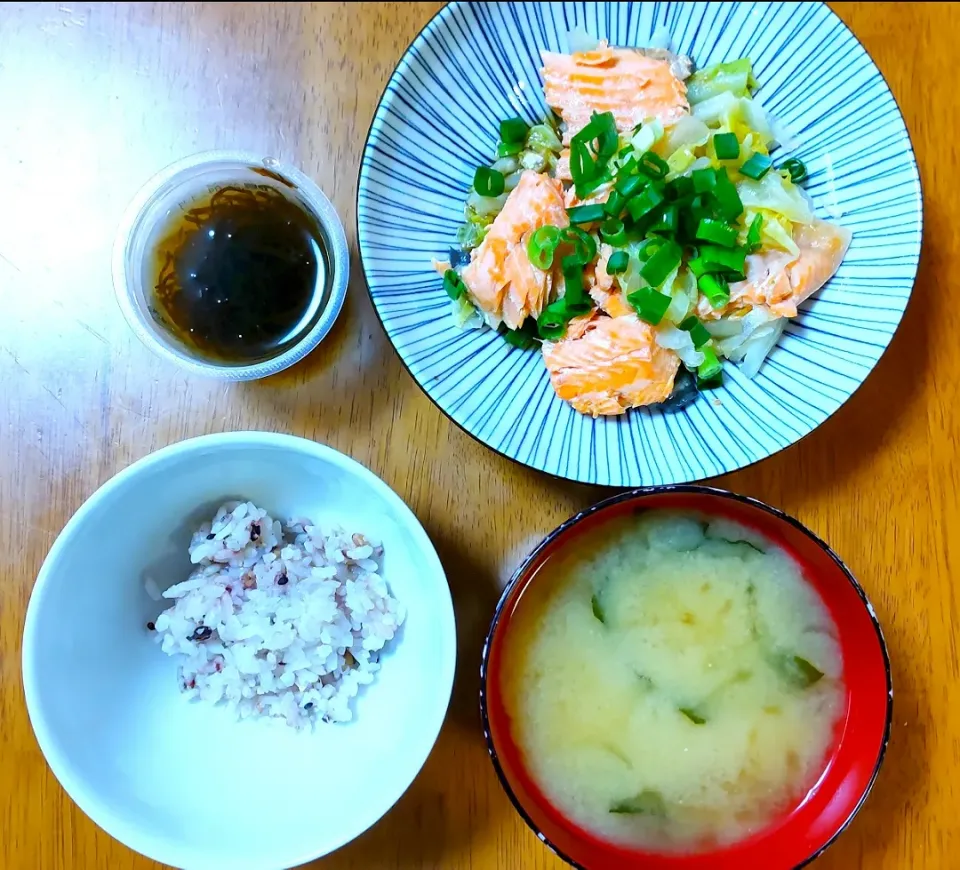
(674,682)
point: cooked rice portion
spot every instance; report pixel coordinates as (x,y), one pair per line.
(279,621)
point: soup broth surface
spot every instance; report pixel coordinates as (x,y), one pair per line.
(673,682)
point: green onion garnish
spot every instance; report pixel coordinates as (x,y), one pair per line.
(754,234)
(717,232)
(613,233)
(704,180)
(514,130)
(649,304)
(552,322)
(796,168)
(669,221)
(698,332)
(614,204)
(629,185)
(726,146)
(582,167)
(726,198)
(710,367)
(574,296)
(697,266)
(662,263)
(645,202)
(453,284)
(586,214)
(723,259)
(623,152)
(757,166)
(654,165)
(585,246)
(542,245)
(618,262)
(524,337)
(488,182)
(509,149)
(715,289)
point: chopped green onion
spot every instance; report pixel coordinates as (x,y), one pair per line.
(725,196)
(680,188)
(613,233)
(649,304)
(629,185)
(618,262)
(552,322)
(488,182)
(524,337)
(704,180)
(573,282)
(601,128)
(796,168)
(645,202)
(654,165)
(717,232)
(754,234)
(710,367)
(453,284)
(661,264)
(698,332)
(697,266)
(724,259)
(715,289)
(726,146)
(669,221)
(650,247)
(585,247)
(542,245)
(615,203)
(509,149)
(757,166)
(586,214)
(514,130)
(582,167)
(623,152)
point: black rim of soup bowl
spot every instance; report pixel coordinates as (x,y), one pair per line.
(636,495)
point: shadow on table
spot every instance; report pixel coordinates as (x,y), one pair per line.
(895,802)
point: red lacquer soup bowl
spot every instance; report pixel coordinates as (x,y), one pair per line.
(805,829)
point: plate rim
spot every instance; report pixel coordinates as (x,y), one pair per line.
(431,22)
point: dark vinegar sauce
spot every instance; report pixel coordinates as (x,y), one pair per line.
(240,274)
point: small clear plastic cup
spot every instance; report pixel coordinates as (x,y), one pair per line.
(176,189)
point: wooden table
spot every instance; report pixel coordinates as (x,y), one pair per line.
(94,99)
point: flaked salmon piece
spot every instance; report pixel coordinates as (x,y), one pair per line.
(781,281)
(601,194)
(627,82)
(536,201)
(603,288)
(613,365)
(527,287)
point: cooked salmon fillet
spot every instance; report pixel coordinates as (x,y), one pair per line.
(625,81)
(501,280)
(604,289)
(610,364)
(781,281)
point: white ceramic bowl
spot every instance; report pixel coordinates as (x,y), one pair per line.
(185,783)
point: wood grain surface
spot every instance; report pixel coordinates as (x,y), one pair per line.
(96,98)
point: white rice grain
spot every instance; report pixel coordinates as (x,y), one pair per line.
(279,622)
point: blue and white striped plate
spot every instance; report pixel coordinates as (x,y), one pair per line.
(476,63)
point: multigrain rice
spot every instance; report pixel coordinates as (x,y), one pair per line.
(279,621)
